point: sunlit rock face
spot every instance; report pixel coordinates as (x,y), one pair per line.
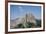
(27,18)
(31,18)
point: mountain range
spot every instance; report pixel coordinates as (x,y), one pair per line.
(22,20)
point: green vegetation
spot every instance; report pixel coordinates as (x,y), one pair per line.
(38,23)
(29,25)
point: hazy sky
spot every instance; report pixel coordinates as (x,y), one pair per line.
(21,10)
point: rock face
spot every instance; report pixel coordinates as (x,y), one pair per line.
(27,18)
(30,18)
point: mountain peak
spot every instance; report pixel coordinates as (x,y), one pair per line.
(29,17)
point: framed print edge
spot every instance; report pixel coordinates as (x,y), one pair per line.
(6,16)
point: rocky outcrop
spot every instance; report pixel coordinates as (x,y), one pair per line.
(27,18)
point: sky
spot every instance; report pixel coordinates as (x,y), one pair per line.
(20,10)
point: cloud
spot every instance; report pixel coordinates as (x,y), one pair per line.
(21,9)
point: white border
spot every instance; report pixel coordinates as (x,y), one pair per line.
(26,29)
